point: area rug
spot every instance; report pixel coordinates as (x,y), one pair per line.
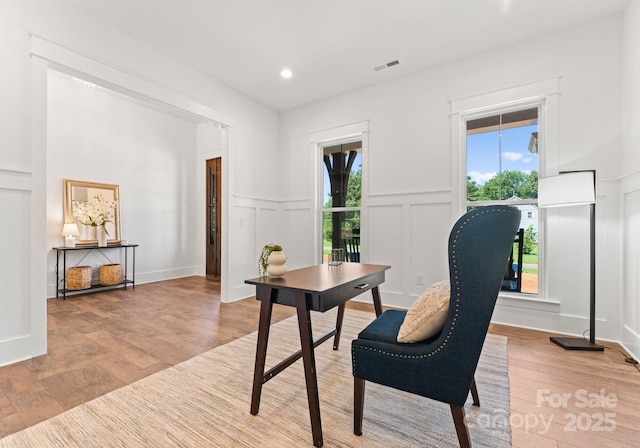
(204,402)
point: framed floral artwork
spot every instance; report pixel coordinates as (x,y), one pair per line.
(92,205)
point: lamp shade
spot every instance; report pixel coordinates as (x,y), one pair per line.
(70,230)
(566,189)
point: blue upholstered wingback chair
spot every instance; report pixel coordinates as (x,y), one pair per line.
(442,368)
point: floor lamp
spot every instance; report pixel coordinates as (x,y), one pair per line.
(571,188)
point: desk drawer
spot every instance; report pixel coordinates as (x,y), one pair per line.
(329,299)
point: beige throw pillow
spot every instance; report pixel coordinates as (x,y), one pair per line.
(427,315)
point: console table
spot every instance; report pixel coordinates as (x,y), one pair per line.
(61,280)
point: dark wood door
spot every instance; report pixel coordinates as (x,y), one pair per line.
(214,211)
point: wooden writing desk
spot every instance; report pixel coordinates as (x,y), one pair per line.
(316,288)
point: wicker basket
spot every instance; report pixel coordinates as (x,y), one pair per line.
(79,277)
(111,274)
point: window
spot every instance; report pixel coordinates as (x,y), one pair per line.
(502,168)
(341,199)
(543,95)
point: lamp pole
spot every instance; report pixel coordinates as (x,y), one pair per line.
(582,343)
(592,298)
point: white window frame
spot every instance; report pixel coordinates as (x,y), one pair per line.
(541,94)
(330,137)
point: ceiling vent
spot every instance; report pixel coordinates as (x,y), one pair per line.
(387,65)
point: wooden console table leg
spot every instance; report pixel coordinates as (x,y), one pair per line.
(377,303)
(266,297)
(308,357)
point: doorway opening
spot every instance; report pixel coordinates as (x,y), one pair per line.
(214,215)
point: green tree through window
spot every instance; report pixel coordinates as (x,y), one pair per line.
(507,185)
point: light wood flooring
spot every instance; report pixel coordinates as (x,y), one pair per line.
(102,341)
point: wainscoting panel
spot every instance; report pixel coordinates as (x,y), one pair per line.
(266,227)
(631,267)
(243,230)
(14,268)
(298,241)
(430,227)
(385,243)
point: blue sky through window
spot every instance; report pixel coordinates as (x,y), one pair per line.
(484,158)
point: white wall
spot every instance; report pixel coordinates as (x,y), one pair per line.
(413,180)
(81,44)
(411,184)
(97,135)
(630,185)
(22,198)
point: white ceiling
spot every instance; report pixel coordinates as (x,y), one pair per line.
(331,46)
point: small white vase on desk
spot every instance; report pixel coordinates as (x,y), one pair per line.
(102,236)
(276,264)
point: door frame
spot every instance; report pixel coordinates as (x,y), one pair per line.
(48,54)
(216,164)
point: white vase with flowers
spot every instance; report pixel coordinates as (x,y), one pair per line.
(95,214)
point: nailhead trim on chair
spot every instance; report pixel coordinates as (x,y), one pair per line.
(457,307)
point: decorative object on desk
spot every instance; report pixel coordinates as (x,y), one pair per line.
(571,188)
(337,257)
(70,231)
(110,274)
(263,260)
(90,205)
(79,277)
(276,264)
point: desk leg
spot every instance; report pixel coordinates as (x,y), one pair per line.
(336,340)
(266,297)
(306,341)
(377,303)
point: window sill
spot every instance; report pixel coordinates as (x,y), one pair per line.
(527,302)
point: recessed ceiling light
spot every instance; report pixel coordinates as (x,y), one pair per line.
(286,73)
